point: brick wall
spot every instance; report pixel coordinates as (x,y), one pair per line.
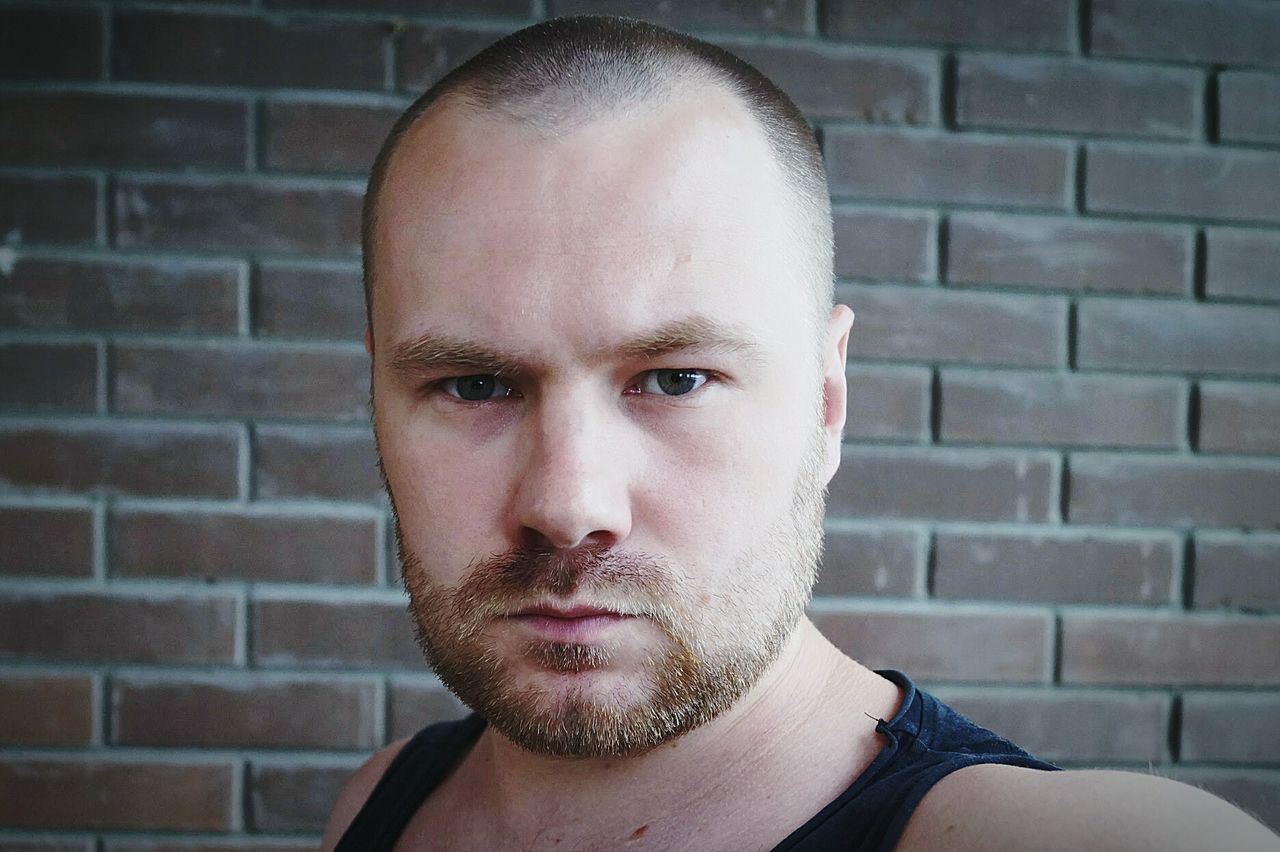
(1058,221)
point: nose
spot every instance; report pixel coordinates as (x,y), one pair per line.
(573,490)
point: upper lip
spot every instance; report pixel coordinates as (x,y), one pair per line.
(553,611)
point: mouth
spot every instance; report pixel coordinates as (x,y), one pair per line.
(579,624)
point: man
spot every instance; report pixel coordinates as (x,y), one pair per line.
(609,392)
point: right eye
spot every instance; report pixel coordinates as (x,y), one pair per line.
(482,388)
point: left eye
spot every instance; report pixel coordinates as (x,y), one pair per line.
(476,388)
(672,382)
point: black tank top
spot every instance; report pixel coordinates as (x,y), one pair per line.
(925,741)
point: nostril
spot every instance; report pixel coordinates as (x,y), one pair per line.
(535,540)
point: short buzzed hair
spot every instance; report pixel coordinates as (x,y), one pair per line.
(564,72)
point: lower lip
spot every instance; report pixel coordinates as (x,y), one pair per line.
(582,629)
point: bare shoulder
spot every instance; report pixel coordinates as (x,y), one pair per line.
(356,791)
(995,807)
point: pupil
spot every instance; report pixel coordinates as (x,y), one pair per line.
(475,388)
(677,382)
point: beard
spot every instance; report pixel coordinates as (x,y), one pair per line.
(713,650)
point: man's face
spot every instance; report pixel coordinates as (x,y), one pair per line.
(598,406)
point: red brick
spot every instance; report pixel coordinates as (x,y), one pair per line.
(428,53)
(1238,33)
(346,634)
(63,710)
(888,403)
(48,209)
(943,485)
(1174,491)
(1249,106)
(1237,572)
(1169,649)
(1242,264)
(1068,254)
(880,245)
(1005,24)
(1230,727)
(220,545)
(1077,96)
(242,50)
(319,136)
(126,458)
(1176,181)
(118,628)
(294,797)
(244,712)
(928,325)
(1069,726)
(110,294)
(48,377)
(1239,418)
(327,463)
(1182,337)
(237,215)
(952,169)
(765,16)
(241,380)
(67,128)
(1056,568)
(50,43)
(415,705)
(1256,793)
(309,300)
(1061,409)
(872,563)
(998,647)
(46,542)
(116,794)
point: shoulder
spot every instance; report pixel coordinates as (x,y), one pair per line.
(996,807)
(356,791)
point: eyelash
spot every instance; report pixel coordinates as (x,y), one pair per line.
(441,386)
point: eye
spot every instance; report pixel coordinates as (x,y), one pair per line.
(482,388)
(672,382)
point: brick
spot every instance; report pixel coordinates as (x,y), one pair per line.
(1237,33)
(232,844)
(224,545)
(65,710)
(1230,728)
(1077,96)
(118,628)
(237,215)
(347,634)
(1181,337)
(763,16)
(294,797)
(495,8)
(837,81)
(1237,572)
(871,563)
(428,53)
(997,647)
(1241,264)
(1012,24)
(125,458)
(50,44)
(67,129)
(940,485)
(1249,106)
(244,712)
(111,294)
(242,50)
(1068,254)
(309,300)
(1070,726)
(241,380)
(884,245)
(1239,418)
(49,377)
(46,542)
(1257,794)
(1056,568)
(923,167)
(1169,649)
(887,403)
(413,706)
(116,794)
(324,137)
(49,845)
(1173,181)
(316,462)
(48,209)
(931,325)
(1174,491)
(1061,409)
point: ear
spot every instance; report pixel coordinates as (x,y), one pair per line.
(368,340)
(835,387)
